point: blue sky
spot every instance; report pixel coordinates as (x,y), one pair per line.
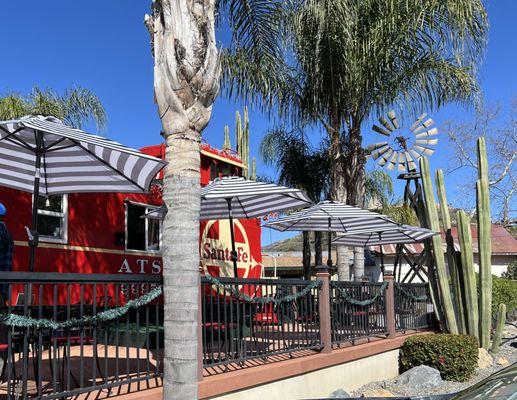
(103,45)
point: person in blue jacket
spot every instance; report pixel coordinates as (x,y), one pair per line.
(6,252)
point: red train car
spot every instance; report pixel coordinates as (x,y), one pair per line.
(104,232)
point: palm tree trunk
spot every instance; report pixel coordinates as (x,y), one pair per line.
(338,192)
(354,164)
(181,265)
(186,81)
(306,255)
(318,251)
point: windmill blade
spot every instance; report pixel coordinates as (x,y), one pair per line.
(423,150)
(417,122)
(427,142)
(402,161)
(430,132)
(410,162)
(386,124)
(426,124)
(376,146)
(380,130)
(380,152)
(393,119)
(415,155)
(392,163)
(384,159)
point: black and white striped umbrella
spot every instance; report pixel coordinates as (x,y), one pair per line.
(43,156)
(402,235)
(236,197)
(248,199)
(333,216)
(72,161)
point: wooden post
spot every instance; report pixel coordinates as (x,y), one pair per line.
(200,368)
(324,309)
(390,306)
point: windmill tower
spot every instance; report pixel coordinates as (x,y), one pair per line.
(401,151)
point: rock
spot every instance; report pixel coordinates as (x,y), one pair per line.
(420,377)
(339,394)
(484,359)
(377,393)
(503,361)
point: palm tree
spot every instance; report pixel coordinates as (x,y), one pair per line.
(75,106)
(187,71)
(354,59)
(299,166)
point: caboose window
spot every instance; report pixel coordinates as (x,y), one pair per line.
(53,218)
(141,233)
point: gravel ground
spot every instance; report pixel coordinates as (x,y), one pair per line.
(508,350)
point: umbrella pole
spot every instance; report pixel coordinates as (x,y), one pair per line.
(232,235)
(329,260)
(33,242)
(382,253)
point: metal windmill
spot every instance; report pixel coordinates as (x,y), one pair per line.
(401,151)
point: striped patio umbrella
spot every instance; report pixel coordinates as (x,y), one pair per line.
(331,216)
(43,156)
(402,235)
(236,197)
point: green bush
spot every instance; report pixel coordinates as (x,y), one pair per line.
(503,291)
(511,272)
(455,356)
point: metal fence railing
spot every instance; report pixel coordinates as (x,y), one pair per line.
(62,335)
(67,334)
(413,307)
(357,311)
(245,319)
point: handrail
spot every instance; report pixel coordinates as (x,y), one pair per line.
(246,281)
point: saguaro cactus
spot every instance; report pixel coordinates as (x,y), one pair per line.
(469,275)
(451,256)
(484,245)
(439,259)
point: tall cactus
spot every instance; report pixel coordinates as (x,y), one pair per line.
(484,245)
(469,274)
(253,176)
(501,320)
(227,145)
(242,135)
(451,252)
(439,259)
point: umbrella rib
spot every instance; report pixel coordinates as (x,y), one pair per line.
(12,138)
(243,209)
(55,143)
(108,165)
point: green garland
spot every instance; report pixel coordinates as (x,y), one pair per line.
(411,295)
(360,303)
(21,321)
(263,300)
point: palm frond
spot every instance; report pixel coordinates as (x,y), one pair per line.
(13,106)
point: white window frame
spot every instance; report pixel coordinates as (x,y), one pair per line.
(148,207)
(64,217)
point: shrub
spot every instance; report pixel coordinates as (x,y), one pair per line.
(503,291)
(455,356)
(511,272)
